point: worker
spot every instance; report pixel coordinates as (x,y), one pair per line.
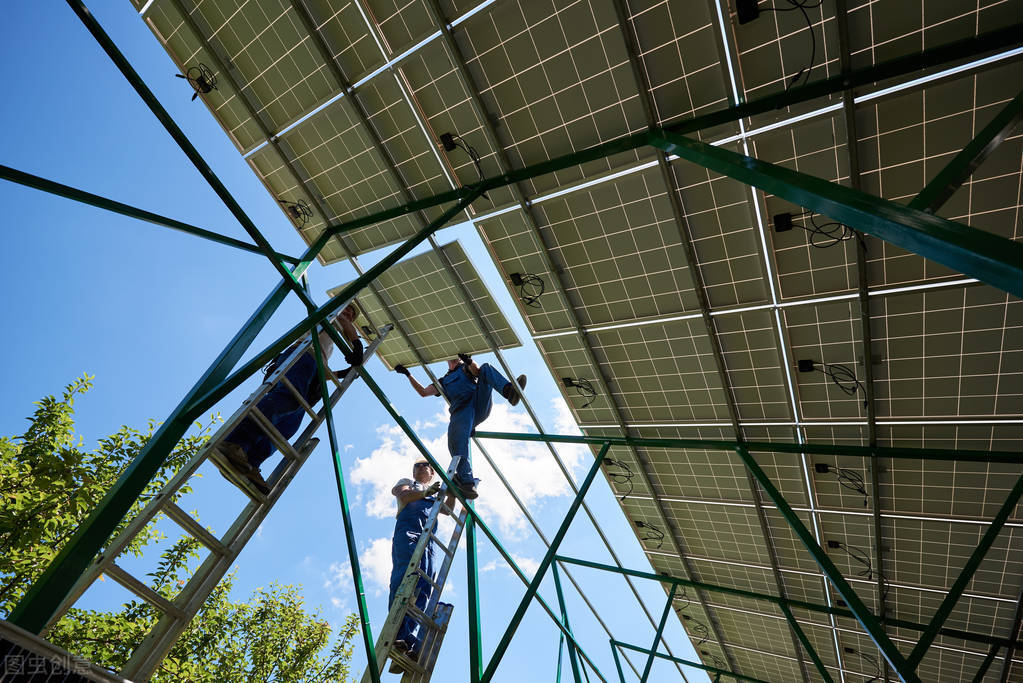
(415,498)
(248,446)
(468,388)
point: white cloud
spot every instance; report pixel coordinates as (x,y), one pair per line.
(376,565)
(528,466)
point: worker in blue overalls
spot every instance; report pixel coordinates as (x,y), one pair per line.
(248,446)
(468,388)
(415,498)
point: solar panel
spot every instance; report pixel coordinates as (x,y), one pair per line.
(423,294)
(663,297)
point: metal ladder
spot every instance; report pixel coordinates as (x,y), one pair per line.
(178,612)
(433,621)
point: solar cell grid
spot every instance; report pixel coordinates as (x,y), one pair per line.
(446,107)
(188,52)
(677,49)
(751,578)
(768,634)
(399,23)
(270,54)
(790,551)
(771,667)
(949,353)
(732,533)
(828,333)
(663,372)
(619,251)
(430,304)
(725,238)
(348,40)
(566,357)
(755,376)
(555,80)
(697,474)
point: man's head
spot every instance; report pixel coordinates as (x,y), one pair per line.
(422,471)
(350,312)
(453,363)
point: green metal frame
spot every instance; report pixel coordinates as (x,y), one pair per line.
(987,257)
(660,630)
(686,662)
(573,659)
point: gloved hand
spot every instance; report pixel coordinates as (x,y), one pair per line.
(432,489)
(402,370)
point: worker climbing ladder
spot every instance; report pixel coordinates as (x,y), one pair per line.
(179,611)
(433,621)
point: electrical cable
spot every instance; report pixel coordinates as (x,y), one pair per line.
(583,387)
(834,231)
(868,571)
(869,659)
(697,629)
(653,534)
(459,141)
(844,378)
(850,479)
(802,6)
(531,288)
(624,477)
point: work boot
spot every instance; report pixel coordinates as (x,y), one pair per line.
(236,457)
(395,668)
(509,391)
(258,481)
(468,489)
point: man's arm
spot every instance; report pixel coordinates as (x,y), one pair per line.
(351,335)
(406,494)
(430,390)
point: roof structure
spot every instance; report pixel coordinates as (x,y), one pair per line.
(682,300)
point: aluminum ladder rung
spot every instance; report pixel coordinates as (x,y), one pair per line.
(298,397)
(283,445)
(443,546)
(143,591)
(426,577)
(189,524)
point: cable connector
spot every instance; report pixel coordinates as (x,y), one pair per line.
(806,365)
(448,140)
(782,221)
(746,10)
(834,544)
(821,467)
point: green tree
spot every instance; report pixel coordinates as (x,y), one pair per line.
(49,483)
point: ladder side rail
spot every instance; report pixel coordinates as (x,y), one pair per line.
(442,573)
(150,510)
(276,438)
(191,598)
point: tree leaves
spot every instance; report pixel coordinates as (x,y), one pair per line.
(49,484)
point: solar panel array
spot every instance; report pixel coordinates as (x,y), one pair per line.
(667,291)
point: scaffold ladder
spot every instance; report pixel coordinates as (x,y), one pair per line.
(179,611)
(433,621)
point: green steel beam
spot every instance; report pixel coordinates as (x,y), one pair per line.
(618,662)
(545,563)
(1006,457)
(346,514)
(797,604)
(45,596)
(473,601)
(969,48)
(202,403)
(1017,623)
(955,173)
(573,659)
(985,665)
(687,662)
(956,591)
(657,637)
(807,645)
(867,620)
(990,258)
(179,137)
(38,183)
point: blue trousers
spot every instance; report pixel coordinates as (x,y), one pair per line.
(470,405)
(281,408)
(407,530)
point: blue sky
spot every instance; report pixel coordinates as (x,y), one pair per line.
(145,309)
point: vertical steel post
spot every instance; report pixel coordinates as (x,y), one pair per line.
(956,591)
(618,662)
(807,645)
(564,618)
(548,558)
(863,615)
(47,593)
(346,515)
(657,637)
(473,580)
